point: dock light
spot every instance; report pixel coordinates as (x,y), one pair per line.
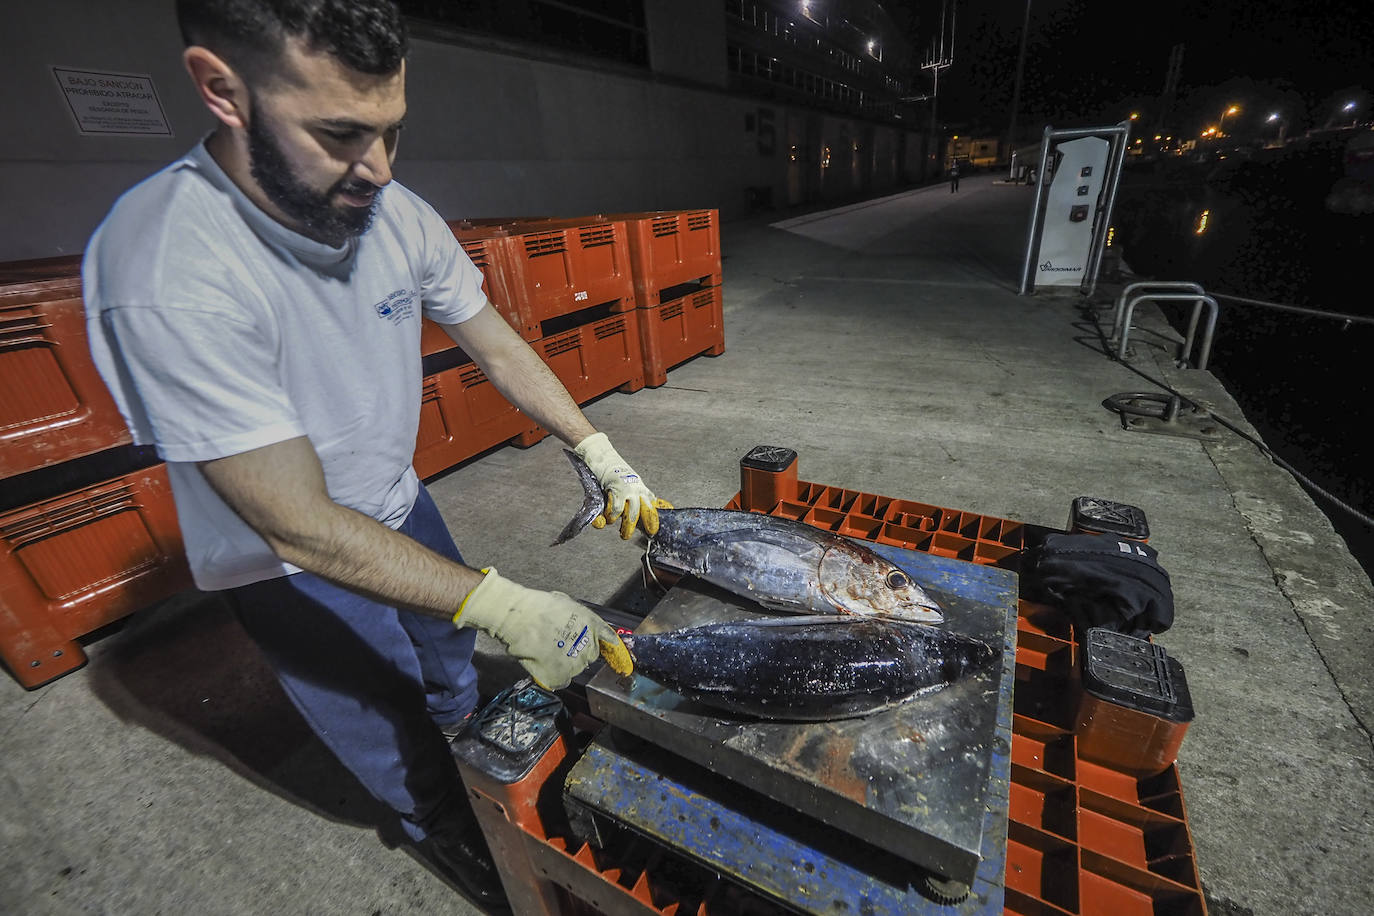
(1349,106)
(1202,222)
(1135,116)
(871,43)
(1272,117)
(1111,235)
(1158,137)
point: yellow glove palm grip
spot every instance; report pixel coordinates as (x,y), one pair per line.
(627,498)
(552,635)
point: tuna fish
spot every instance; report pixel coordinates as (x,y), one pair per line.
(810,668)
(783,564)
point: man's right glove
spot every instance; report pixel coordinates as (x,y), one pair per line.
(552,635)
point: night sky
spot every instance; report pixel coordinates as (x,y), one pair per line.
(1091,61)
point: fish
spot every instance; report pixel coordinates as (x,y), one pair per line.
(809,668)
(780,563)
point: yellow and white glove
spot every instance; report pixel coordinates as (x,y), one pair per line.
(627,498)
(549,633)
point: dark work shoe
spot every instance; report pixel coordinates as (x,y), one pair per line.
(459,852)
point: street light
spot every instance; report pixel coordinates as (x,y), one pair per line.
(1220,124)
(1350,107)
(1283,127)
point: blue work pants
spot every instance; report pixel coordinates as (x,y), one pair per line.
(376,683)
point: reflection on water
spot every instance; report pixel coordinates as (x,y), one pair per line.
(1303,382)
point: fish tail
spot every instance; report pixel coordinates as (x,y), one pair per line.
(593,500)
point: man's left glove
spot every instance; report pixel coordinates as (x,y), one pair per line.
(626,496)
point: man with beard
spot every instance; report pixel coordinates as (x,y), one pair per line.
(255,310)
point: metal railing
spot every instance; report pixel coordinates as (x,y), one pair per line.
(1185,291)
(1167,291)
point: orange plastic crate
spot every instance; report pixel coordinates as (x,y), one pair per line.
(53,404)
(597,357)
(74,563)
(488,251)
(461,415)
(676,331)
(566,266)
(670,248)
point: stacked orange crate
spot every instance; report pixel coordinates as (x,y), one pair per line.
(566,287)
(88,532)
(677,275)
(461,412)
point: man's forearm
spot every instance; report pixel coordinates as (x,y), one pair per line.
(362,555)
(279,491)
(529,384)
(519,374)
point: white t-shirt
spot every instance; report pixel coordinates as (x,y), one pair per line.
(218,330)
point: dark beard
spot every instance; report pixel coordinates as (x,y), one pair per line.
(319,219)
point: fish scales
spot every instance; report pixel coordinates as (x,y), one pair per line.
(809,668)
(786,565)
(781,563)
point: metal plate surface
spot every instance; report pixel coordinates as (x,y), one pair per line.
(917,779)
(754,843)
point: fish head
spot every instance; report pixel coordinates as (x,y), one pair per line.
(861,582)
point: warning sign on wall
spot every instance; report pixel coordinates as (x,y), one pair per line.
(112,103)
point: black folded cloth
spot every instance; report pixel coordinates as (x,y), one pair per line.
(1101,581)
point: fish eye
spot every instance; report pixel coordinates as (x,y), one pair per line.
(897,579)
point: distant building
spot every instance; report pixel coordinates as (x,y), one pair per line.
(978,152)
(842,55)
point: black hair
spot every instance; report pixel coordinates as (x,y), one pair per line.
(365,35)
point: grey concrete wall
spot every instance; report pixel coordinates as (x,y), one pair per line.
(488,134)
(685,40)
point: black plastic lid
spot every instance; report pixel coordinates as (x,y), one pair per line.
(1105,516)
(1135,673)
(771,458)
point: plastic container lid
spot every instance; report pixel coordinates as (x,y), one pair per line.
(1135,673)
(1090,513)
(771,458)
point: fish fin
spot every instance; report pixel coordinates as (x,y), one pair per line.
(593,500)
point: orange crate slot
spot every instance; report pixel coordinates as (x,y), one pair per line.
(861,526)
(902,536)
(1137,836)
(1043,619)
(992,554)
(788,509)
(825,519)
(1039,746)
(676,331)
(944,544)
(461,415)
(1042,801)
(1108,886)
(1042,866)
(672,248)
(53,404)
(76,562)
(596,358)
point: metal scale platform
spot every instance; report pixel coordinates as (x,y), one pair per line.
(778,806)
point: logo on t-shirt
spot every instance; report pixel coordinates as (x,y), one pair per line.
(397,306)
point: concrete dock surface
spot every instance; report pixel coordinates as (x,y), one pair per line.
(885,343)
